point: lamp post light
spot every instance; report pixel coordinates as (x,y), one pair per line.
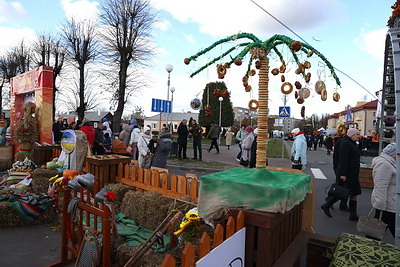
(220,99)
(168,68)
(172,106)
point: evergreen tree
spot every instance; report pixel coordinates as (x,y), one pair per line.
(211,93)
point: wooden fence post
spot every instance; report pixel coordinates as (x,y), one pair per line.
(188,255)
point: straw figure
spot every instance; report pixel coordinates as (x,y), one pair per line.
(27,132)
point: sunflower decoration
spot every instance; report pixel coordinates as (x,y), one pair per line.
(189,219)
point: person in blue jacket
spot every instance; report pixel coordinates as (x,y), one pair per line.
(299,150)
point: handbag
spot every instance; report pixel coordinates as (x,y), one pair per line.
(372,226)
(146,162)
(339,192)
(245,162)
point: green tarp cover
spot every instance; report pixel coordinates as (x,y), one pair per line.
(132,233)
(258,189)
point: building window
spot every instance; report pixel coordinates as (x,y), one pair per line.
(374,113)
(374,122)
(154,125)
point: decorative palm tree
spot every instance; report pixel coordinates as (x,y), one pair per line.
(259,51)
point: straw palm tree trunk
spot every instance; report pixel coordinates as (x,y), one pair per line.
(262,113)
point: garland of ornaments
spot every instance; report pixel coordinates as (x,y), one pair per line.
(259,49)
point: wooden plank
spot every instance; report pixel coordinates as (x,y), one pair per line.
(168,261)
(127,169)
(204,246)
(164,181)
(230,227)
(156,179)
(140,175)
(308,210)
(239,220)
(174,183)
(218,235)
(249,245)
(182,185)
(188,255)
(147,176)
(194,189)
(265,245)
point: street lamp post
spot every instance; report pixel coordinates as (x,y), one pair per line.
(172,106)
(220,99)
(168,68)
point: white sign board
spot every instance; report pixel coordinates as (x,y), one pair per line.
(229,254)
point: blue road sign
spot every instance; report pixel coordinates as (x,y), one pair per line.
(284,112)
(159,105)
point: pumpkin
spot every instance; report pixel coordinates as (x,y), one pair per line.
(70,173)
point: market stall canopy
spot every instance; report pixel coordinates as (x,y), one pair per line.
(258,189)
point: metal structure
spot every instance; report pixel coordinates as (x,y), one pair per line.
(392,63)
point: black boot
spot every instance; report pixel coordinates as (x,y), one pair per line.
(343,206)
(326,207)
(353,210)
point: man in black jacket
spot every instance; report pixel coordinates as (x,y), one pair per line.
(183,133)
(196,131)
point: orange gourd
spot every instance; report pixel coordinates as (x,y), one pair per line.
(70,173)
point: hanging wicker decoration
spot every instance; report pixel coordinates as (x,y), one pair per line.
(282,68)
(258,64)
(286,88)
(238,62)
(252,72)
(304,93)
(336,96)
(283,78)
(295,46)
(186,61)
(207,111)
(275,71)
(324,95)
(319,86)
(300,100)
(247,88)
(253,105)
(303,111)
(221,71)
(307,64)
(297,84)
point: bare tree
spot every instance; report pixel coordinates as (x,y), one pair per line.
(14,62)
(82,47)
(46,51)
(91,93)
(126,34)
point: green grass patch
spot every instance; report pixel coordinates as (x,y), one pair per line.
(274,149)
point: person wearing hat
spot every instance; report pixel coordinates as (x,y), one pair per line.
(246,146)
(348,172)
(383,197)
(253,153)
(299,149)
(107,126)
(143,147)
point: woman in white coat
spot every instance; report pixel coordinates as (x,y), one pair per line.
(383,197)
(299,150)
(228,137)
(246,145)
(144,151)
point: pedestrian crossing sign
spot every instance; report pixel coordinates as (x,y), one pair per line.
(284,112)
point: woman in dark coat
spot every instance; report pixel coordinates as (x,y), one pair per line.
(183,133)
(329,144)
(348,172)
(163,148)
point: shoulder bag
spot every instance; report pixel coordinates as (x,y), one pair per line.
(372,226)
(339,192)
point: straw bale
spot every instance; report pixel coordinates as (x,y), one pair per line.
(9,218)
(120,190)
(148,209)
(5,164)
(44,173)
(40,185)
(149,259)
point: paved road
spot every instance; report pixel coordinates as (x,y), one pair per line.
(38,245)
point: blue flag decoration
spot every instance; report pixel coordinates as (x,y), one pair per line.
(348,115)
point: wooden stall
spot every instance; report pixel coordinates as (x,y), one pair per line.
(44,153)
(105,167)
(366,180)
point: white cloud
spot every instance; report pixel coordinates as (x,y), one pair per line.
(372,42)
(190,39)
(80,10)
(224,17)
(10,37)
(11,12)
(162,25)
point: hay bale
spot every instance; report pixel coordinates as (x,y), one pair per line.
(40,185)
(9,218)
(149,259)
(44,173)
(120,190)
(148,209)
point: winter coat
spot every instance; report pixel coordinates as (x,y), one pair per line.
(98,137)
(214,131)
(196,131)
(89,131)
(336,150)
(246,146)
(124,135)
(143,147)
(253,153)
(299,150)
(240,136)
(135,135)
(329,142)
(183,133)
(383,195)
(228,137)
(108,130)
(163,148)
(349,165)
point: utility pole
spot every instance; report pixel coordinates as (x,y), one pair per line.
(283,130)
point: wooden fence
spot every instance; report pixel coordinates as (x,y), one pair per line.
(72,233)
(158,180)
(220,234)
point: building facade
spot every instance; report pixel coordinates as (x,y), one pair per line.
(174,119)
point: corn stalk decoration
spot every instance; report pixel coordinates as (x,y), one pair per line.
(259,51)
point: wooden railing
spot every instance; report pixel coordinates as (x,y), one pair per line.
(158,180)
(189,253)
(72,232)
